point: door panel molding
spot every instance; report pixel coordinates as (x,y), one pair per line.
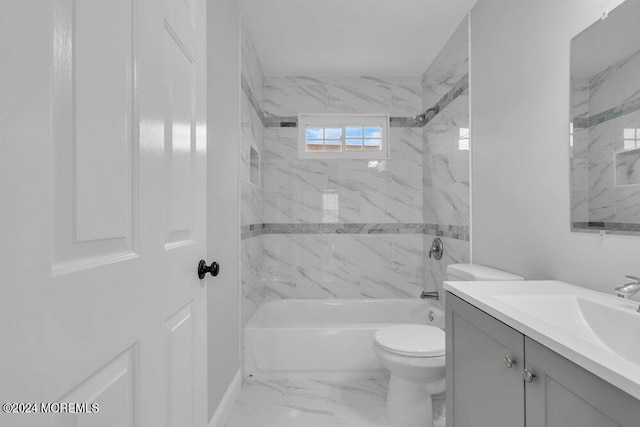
(180,138)
(180,338)
(95,132)
(113,389)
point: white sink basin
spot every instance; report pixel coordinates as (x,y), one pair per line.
(617,326)
(597,331)
(607,324)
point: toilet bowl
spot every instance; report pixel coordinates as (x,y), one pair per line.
(415,357)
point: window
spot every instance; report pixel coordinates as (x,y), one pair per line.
(343,136)
(463,140)
(631,138)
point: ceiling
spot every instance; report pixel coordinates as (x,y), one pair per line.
(350,37)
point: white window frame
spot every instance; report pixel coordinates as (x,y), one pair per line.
(464,144)
(342,120)
(635,139)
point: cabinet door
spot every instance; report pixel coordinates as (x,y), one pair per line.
(481,390)
(563,394)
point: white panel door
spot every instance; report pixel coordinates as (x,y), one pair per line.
(102,212)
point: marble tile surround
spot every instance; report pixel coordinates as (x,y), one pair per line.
(355,228)
(448,68)
(342,266)
(292,95)
(251,210)
(342,228)
(446,167)
(337,265)
(315,403)
(350,191)
(446,196)
(354,266)
(314,98)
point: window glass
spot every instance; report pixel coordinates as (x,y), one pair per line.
(343,136)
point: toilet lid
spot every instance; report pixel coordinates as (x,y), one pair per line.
(412,340)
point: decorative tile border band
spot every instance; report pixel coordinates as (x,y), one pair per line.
(458,232)
(398,122)
(292,122)
(597,226)
(610,114)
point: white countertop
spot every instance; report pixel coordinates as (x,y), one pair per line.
(563,317)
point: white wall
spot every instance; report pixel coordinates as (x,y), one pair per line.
(223,195)
(520,120)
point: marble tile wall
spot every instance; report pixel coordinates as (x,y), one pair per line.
(449,66)
(354,228)
(446,197)
(604,105)
(343,266)
(347,194)
(361,191)
(289,96)
(252,204)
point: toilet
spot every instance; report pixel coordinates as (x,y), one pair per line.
(415,356)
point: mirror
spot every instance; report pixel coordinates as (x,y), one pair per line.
(605,123)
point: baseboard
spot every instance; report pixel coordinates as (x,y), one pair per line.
(226,404)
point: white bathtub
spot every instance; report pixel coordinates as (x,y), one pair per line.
(326,338)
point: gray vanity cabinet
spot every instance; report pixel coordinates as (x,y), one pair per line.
(563,394)
(482,391)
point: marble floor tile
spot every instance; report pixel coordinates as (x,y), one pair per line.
(312,403)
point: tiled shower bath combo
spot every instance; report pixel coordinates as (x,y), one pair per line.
(344,228)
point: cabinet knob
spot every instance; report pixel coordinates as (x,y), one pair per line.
(528,376)
(508,361)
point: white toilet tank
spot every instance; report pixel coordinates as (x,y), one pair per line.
(467,272)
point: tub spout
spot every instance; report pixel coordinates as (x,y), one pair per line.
(430,295)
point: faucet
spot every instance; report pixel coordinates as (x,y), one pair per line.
(430,295)
(630,289)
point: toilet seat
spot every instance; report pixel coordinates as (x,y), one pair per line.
(412,340)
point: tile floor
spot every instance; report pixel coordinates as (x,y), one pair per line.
(314,403)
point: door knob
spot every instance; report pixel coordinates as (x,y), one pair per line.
(203,269)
